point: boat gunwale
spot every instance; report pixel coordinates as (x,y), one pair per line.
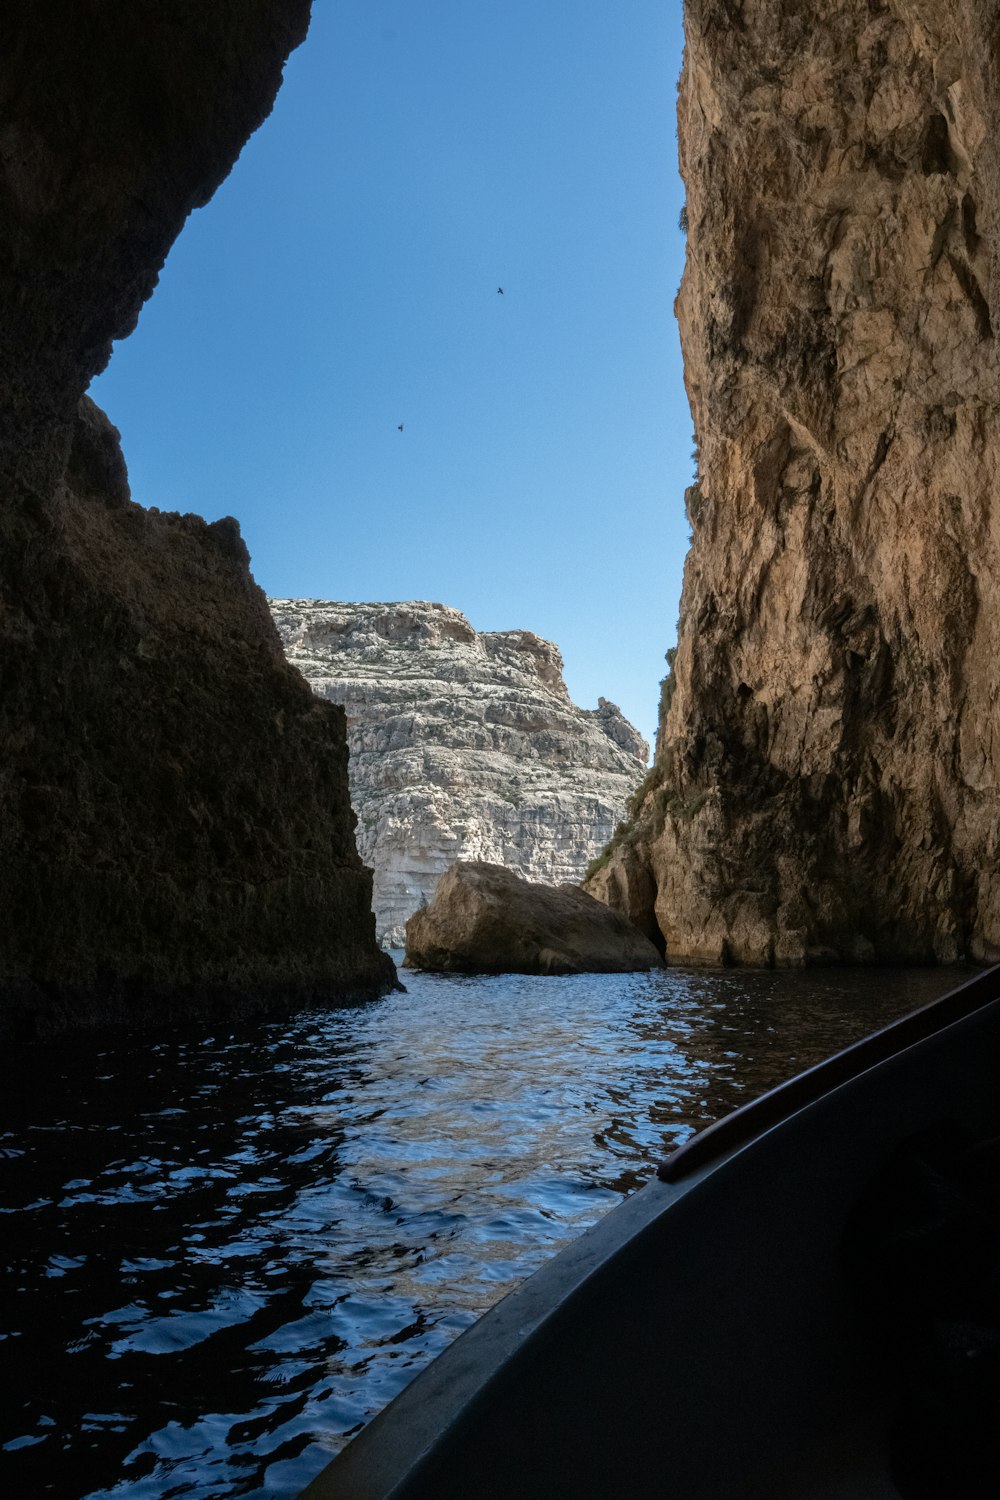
(805,1088)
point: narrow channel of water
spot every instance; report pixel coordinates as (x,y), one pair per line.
(223,1254)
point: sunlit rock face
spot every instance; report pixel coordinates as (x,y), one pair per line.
(828,761)
(463,744)
(175,829)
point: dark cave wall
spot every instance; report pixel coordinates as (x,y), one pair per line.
(175,830)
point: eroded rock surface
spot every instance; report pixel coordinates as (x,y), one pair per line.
(827,769)
(175,830)
(464,744)
(487,920)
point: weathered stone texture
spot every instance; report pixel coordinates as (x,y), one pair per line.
(487,920)
(464,744)
(175,832)
(827,778)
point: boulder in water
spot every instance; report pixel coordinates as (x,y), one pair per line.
(485,920)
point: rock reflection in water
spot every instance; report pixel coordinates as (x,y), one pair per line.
(224,1254)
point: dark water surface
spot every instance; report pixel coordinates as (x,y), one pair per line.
(224,1253)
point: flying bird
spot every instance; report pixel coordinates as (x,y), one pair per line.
(500,291)
(400,428)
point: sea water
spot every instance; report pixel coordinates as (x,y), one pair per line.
(224,1252)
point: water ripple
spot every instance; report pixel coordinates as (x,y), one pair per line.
(225,1253)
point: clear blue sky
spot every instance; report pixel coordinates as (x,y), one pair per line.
(344,279)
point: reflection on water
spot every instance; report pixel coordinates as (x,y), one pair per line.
(225,1253)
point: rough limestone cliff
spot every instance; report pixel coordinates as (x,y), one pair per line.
(175,830)
(826,779)
(464,744)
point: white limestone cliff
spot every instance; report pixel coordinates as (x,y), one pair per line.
(463,744)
